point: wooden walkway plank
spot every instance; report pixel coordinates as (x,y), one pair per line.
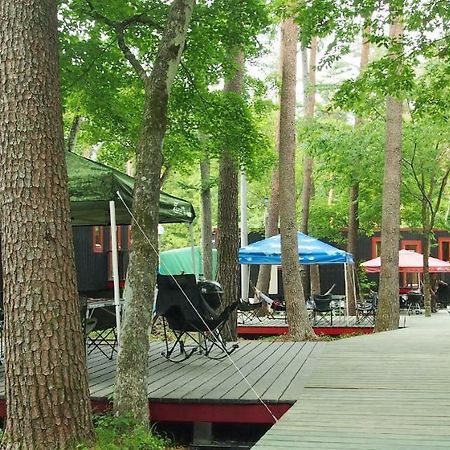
(253,370)
(202,383)
(387,391)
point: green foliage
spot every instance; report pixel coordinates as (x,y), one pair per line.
(114,433)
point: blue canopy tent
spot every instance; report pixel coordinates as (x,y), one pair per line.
(310,251)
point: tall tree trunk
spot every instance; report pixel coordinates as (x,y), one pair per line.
(73,134)
(426,275)
(47,392)
(131,398)
(273,213)
(297,315)
(388,309)
(353,211)
(228,245)
(308,162)
(206,218)
(271,229)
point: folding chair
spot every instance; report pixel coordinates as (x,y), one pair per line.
(322,307)
(249,311)
(189,311)
(414,301)
(101,331)
(366,310)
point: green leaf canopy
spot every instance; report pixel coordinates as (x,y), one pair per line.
(93,185)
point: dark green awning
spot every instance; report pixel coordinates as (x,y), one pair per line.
(93,185)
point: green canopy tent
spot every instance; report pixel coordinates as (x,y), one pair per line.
(179,260)
(94,191)
(93,185)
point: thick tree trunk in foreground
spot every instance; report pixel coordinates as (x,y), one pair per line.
(227,214)
(297,315)
(206,218)
(46,389)
(131,397)
(388,309)
(353,210)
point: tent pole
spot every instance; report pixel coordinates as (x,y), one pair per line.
(194,266)
(346,290)
(245,273)
(115,266)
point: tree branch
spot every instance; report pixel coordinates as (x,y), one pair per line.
(137,66)
(119,28)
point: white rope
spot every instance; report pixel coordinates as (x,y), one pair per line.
(199,315)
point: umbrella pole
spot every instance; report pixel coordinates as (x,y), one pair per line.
(115,266)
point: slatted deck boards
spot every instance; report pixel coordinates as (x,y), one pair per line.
(386,391)
(277,371)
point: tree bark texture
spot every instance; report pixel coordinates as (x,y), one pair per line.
(131,397)
(206,218)
(47,392)
(297,315)
(227,214)
(309,92)
(271,229)
(273,213)
(353,210)
(352,247)
(388,309)
(73,134)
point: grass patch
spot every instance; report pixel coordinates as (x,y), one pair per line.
(114,433)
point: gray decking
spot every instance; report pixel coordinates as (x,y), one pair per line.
(384,391)
(277,371)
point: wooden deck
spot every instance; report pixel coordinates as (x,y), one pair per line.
(385,391)
(202,389)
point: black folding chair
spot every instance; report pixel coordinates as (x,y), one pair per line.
(414,301)
(101,331)
(366,310)
(323,307)
(189,311)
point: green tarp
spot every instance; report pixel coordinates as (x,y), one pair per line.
(92,185)
(179,260)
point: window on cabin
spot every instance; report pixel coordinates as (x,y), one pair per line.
(119,240)
(444,248)
(414,245)
(130,239)
(97,239)
(376,247)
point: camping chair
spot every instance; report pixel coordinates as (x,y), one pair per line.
(414,301)
(367,309)
(189,311)
(323,307)
(249,311)
(101,331)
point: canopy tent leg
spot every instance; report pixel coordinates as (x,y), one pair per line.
(245,272)
(346,290)
(194,265)
(115,266)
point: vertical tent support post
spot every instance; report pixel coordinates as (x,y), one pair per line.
(115,266)
(346,290)
(194,265)
(245,273)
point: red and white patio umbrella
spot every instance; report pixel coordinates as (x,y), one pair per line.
(409,261)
